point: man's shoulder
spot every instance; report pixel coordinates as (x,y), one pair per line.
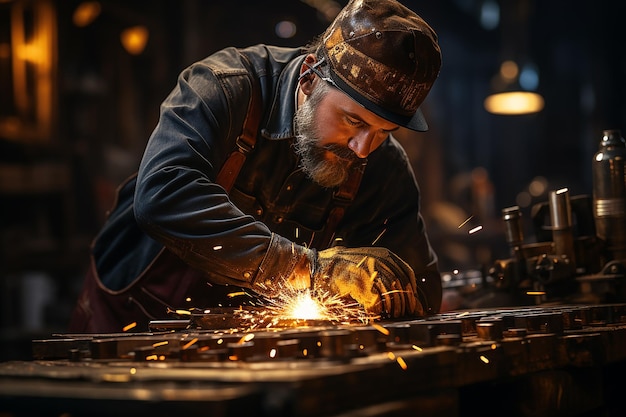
(390,154)
(260,56)
(392,150)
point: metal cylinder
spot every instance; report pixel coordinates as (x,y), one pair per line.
(514,230)
(609,193)
(562,226)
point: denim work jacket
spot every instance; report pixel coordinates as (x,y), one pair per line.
(174,203)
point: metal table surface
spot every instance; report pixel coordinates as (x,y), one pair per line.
(565,360)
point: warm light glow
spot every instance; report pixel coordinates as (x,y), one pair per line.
(5,50)
(304,307)
(538,186)
(515,102)
(86,13)
(509,70)
(134,39)
(32,54)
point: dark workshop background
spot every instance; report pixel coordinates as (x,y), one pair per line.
(76,108)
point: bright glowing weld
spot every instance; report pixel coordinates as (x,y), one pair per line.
(292,304)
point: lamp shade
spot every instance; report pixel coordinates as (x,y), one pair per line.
(508,97)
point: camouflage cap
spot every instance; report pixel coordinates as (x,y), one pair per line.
(385,57)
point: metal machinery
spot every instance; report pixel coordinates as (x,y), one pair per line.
(568,262)
(580,249)
(565,360)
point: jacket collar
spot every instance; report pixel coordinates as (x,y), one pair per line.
(280,121)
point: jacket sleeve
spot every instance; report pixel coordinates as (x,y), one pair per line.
(177,201)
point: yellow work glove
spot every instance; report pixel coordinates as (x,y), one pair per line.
(375,277)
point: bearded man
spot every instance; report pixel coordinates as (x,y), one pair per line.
(275,169)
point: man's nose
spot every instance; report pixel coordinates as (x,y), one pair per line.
(361,144)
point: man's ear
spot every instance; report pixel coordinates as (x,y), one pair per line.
(307,76)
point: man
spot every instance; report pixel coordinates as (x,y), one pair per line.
(272,169)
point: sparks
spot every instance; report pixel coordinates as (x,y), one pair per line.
(236,294)
(292,304)
(380,329)
(190,343)
(475,229)
(465,222)
(183,312)
(130,326)
(246,338)
(379,236)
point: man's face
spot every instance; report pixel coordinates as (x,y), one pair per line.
(333,132)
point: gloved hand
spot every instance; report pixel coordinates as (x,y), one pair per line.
(375,277)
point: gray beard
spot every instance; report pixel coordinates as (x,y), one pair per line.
(313,159)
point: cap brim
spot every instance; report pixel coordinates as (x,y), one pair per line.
(414,122)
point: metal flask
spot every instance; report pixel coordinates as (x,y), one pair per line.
(609,194)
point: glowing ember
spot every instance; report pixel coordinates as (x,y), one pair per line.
(236,294)
(465,222)
(475,229)
(190,343)
(130,326)
(379,236)
(380,329)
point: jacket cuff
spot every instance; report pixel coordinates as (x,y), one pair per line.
(285,264)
